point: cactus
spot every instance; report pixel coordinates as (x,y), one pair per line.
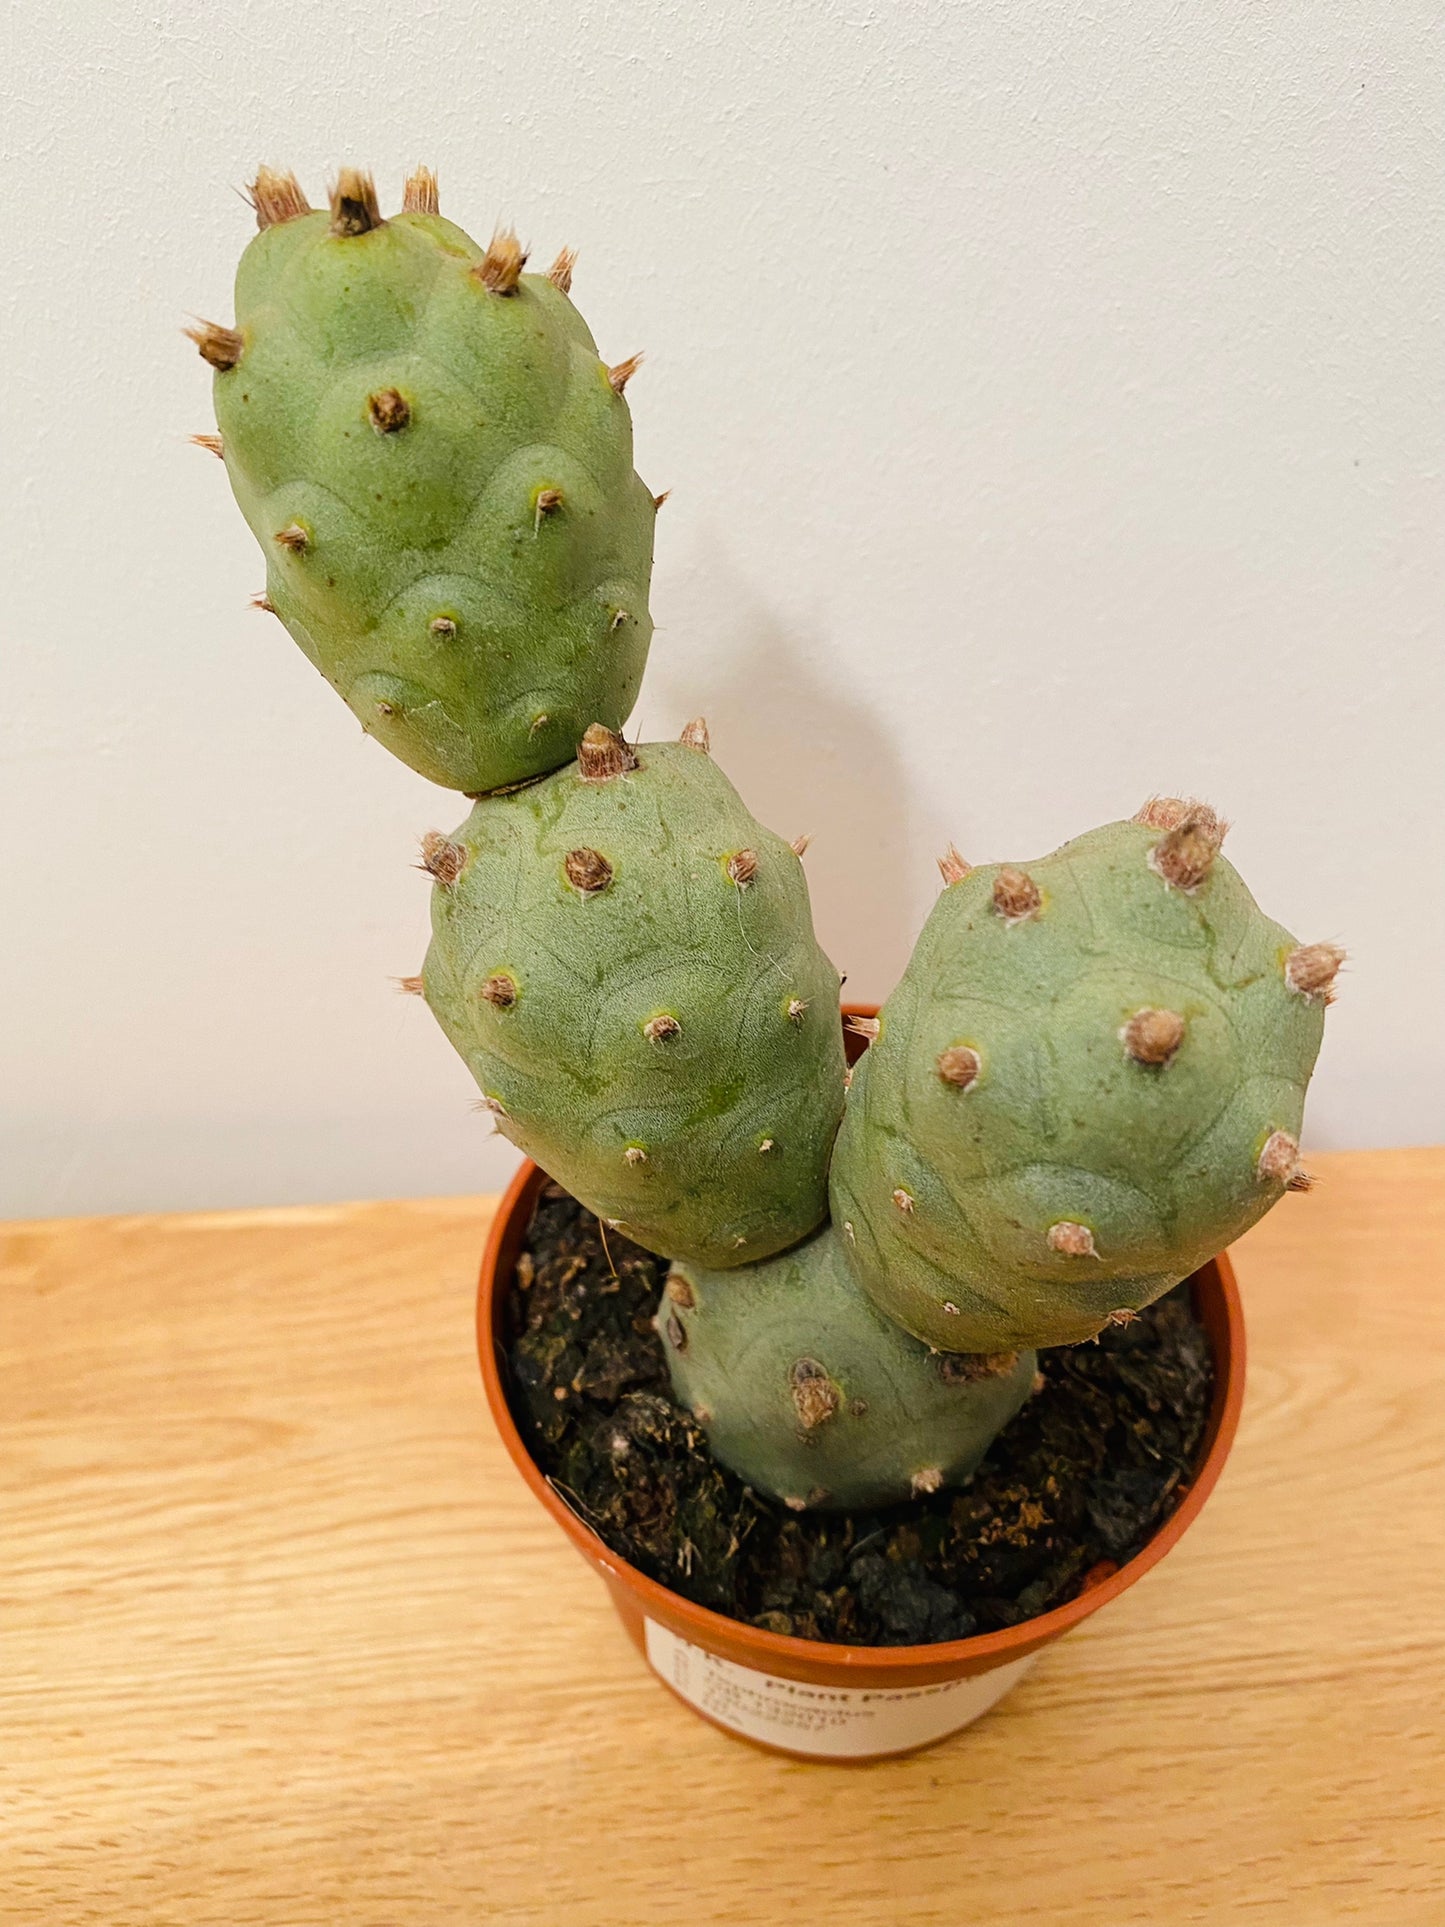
(810,1394)
(1090,1078)
(625,960)
(438,468)
(1089,1081)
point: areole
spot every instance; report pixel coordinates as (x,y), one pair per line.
(804,1697)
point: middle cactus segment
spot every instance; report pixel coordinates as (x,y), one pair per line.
(625,959)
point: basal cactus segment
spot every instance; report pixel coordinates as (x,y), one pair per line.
(437,465)
(809,1393)
(1089,1081)
(625,959)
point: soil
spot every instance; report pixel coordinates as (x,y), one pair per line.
(1094,1463)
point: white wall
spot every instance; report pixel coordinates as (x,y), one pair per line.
(1051,397)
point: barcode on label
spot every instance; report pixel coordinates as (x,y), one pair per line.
(829,1722)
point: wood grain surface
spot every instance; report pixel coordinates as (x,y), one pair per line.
(284,1640)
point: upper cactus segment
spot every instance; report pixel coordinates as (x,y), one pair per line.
(625,959)
(438,467)
(806,1391)
(1090,1079)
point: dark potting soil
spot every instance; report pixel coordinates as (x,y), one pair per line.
(1097,1459)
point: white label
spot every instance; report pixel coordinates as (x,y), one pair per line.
(830,1722)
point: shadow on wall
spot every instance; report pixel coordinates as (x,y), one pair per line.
(807,758)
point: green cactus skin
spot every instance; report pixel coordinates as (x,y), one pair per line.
(626,963)
(438,468)
(1089,1081)
(806,1391)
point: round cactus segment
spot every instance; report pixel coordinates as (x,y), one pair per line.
(667,1045)
(472,553)
(806,1391)
(1076,1100)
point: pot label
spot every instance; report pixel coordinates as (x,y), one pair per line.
(828,1722)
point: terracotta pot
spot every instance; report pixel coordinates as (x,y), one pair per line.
(802,1696)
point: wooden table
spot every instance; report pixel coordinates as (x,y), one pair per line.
(284,1640)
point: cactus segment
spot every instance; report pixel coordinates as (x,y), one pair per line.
(810,1394)
(1076,1085)
(438,466)
(665,1041)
